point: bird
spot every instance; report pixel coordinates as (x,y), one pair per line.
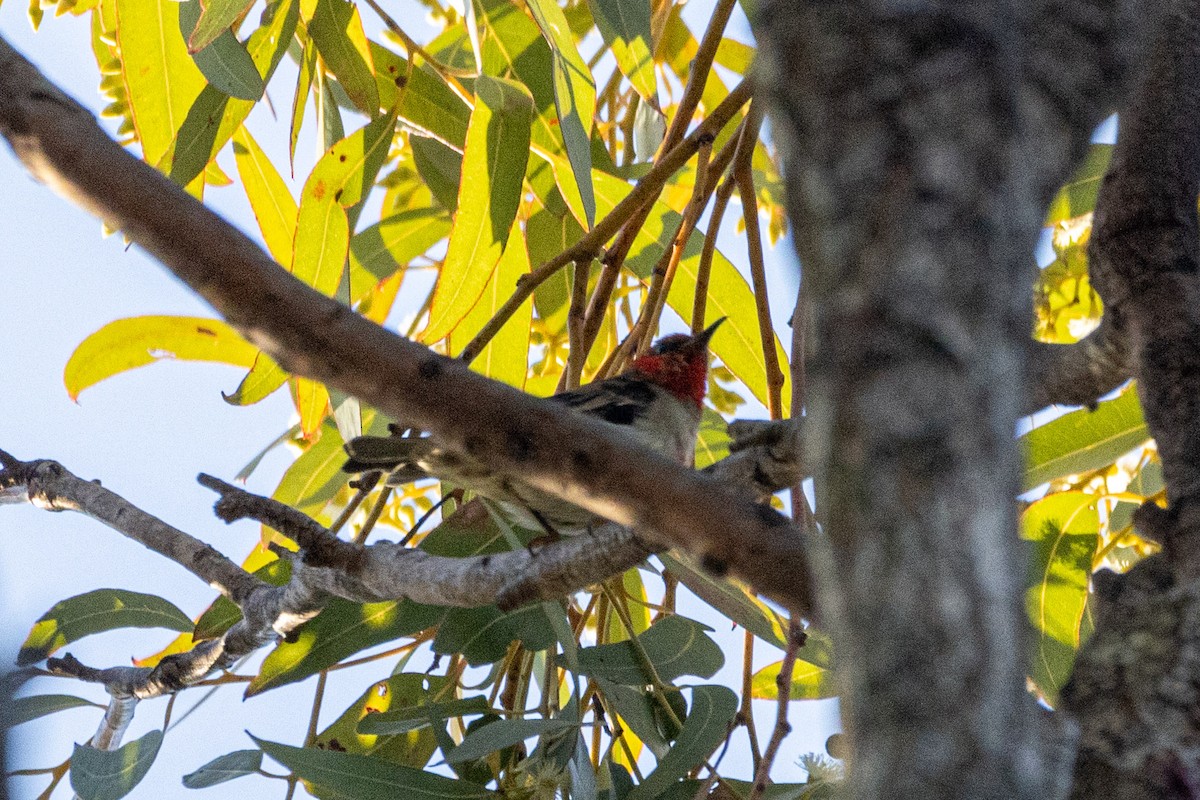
(658,401)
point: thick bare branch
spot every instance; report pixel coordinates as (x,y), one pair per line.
(309,334)
(48,485)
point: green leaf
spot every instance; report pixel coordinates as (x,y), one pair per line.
(26,709)
(315,477)
(406,690)
(342,629)
(729,598)
(363,778)
(1078,195)
(237,764)
(501,734)
(812,677)
(440,168)
(1083,440)
(574,98)
(1064,529)
(708,723)
(675,645)
(482,635)
(493,173)
(214,116)
(415,717)
(96,612)
(336,30)
(396,240)
(625,26)
(264,377)
(304,82)
(512,46)
(505,358)
(218,16)
(160,75)
(340,180)
(224,61)
(713,442)
(434,111)
(112,774)
(137,341)
(269,196)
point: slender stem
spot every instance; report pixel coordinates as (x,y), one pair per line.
(698,75)
(576,352)
(746,713)
(449,74)
(373,516)
(664,271)
(762,775)
(743,171)
(589,246)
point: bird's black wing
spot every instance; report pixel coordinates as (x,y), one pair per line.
(620,400)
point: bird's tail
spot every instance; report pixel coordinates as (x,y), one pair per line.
(393,454)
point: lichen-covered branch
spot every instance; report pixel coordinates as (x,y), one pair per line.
(549,447)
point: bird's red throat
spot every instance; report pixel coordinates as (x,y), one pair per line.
(686,378)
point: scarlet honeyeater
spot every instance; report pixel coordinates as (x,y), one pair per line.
(657,400)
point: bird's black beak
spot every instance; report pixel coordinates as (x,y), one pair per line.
(700,340)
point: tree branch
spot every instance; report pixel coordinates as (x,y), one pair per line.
(309,334)
(1134,690)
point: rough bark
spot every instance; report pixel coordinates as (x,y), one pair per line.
(921,142)
(1135,689)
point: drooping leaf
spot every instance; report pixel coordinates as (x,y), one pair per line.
(675,646)
(415,717)
(625,26)
(26,709)
(363,778)
(574,97)
(1065,531)
(137,341)
(501,734)
(336,29)
(505,356)
(269,196)
(161,78)
(493,172)
(708,722)
(729,598)
(340,630)
(482,635)
(112,774)
(264,377)
(409,691)
(394,241)
(214,116)
(217,16)
(1083,440)
(312,403)
(812,677)
(224,61)
(237,764)
(96,612)
(340,180)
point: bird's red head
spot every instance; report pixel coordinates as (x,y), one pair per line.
(679,364)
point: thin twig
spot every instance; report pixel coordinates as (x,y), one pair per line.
(590,245)
(743,171)
(783,683)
